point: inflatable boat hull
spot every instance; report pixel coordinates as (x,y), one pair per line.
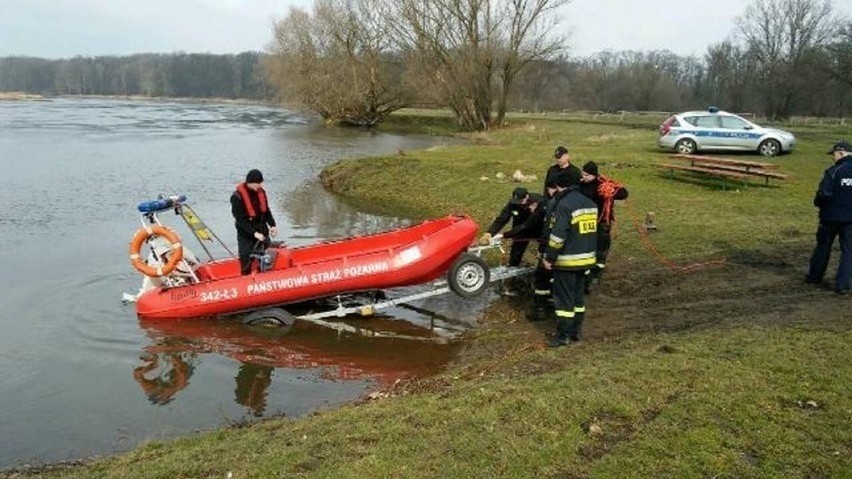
(401,257)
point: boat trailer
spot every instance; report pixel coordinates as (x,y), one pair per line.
(445,330)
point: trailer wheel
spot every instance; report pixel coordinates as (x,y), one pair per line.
(271,318)
(469,276)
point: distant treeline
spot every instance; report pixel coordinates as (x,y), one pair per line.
(732,76)
(195,75)
(727,76)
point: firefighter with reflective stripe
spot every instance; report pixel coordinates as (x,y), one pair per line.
(603,191)
(543,278)
(523,234)
(254,222)
(570,253)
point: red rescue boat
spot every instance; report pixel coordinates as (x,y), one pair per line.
(401,257)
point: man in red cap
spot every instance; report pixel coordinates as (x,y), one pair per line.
(252,217)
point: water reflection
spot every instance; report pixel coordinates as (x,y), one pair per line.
(164,374)
(302,353)
(252,382)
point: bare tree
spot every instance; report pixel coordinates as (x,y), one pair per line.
(473,49)
(840,56)
(782,35)
(730,71)
(338,61)
(529,40)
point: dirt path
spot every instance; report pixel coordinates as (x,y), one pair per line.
(750,288)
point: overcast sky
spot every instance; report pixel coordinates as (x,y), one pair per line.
(64,28)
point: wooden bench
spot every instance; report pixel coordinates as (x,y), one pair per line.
(726,168)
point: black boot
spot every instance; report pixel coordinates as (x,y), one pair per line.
(510,287)
(561,337)
(575,327)
(541,310)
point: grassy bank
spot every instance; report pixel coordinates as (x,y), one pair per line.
(19,96)
(695,405)
(696,217)
(732,372)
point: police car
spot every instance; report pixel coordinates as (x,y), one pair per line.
(692,131)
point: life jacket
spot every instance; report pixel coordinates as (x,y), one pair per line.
(242,189)
(607,188)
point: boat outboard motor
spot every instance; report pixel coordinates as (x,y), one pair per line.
(264,255)
(267,259)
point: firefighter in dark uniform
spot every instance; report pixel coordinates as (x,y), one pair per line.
(543,278)
(518,211)
(252,217)
(561,167)
(603,191)
(570,253)
(530,229)
(834,200)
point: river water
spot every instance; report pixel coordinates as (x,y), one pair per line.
(80,375)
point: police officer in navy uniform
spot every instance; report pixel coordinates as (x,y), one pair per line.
(252,217)
(570,253)
(562,166)
(518,210)
(834,200)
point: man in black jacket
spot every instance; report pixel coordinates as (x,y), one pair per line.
(569,254)
(252,217)
(519,210)
(834,200)
(561,167)
(603,191)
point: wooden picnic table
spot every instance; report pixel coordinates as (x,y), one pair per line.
(724,167)
(747,164)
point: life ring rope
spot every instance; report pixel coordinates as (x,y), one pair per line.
(143,235)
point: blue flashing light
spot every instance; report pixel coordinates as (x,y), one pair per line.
(713,109)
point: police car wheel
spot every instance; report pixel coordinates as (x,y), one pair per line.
(769,148)
(469,276)
(275,318)
(685,146)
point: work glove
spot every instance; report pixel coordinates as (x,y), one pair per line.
(485,240)
(496,239)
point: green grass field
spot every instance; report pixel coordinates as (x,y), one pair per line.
(697,217)
(760,399)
